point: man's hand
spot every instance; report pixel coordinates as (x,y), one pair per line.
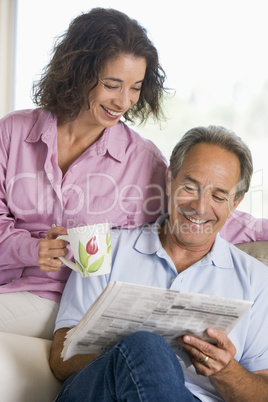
(50,249)
(231,379)
(208,358)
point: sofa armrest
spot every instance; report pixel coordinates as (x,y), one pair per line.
(25,372)
(257,249)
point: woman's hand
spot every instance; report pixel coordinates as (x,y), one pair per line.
(207,358)
(51,248)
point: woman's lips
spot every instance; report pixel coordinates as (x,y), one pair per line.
(111,112)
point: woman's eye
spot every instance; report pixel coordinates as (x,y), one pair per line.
(110,87)
(136,89)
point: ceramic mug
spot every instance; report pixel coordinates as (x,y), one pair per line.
(91,248)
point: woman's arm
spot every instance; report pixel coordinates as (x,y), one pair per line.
(17,247)
(242,227)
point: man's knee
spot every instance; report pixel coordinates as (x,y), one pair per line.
(145,340)
(148,346)
(151,361)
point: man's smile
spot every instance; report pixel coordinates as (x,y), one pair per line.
(197,221)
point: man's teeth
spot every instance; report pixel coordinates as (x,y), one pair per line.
(111,112)
(198,221)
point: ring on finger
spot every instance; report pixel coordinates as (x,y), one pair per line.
(205,360)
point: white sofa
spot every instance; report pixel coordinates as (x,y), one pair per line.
(27,377)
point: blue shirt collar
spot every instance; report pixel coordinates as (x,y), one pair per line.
(148,242)
(220,254)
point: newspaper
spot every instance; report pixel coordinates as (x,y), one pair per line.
(123,308)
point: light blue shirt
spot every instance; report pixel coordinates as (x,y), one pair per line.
(138,257)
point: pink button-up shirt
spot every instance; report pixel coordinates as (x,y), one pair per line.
(119,179)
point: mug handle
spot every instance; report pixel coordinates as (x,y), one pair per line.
(65,260)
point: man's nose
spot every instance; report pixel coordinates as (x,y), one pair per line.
(201,204)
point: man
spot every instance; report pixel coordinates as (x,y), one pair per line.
(210,171)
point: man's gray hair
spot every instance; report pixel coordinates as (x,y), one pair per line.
(225,139)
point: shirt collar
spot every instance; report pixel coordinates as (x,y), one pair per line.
(113,140)
(116,141)
(149,243)
(220,254)
(42,126)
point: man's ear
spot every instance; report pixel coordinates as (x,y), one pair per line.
(235,205)
(168,182)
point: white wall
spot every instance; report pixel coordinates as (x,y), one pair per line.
(7,54)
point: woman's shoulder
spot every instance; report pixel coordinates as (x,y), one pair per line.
(133,138)
(24,116)
(23,121)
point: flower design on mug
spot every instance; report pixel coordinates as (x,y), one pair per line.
(108,243)
(92,246)
(85,253)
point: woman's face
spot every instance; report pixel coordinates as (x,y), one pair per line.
(119,87)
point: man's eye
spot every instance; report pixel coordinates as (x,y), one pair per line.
(218,198)
(190,189)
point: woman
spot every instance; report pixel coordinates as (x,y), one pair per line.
(72,161)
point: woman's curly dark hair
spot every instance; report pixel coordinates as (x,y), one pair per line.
(91,41)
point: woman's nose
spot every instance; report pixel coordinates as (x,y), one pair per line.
(123,100)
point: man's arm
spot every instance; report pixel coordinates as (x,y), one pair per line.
(64,369)
(235,384)
(216,361)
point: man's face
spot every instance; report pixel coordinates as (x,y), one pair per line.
(202,195)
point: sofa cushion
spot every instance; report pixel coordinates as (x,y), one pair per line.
(257,249)
(25,372)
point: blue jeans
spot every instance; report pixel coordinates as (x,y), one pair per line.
(141,367)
